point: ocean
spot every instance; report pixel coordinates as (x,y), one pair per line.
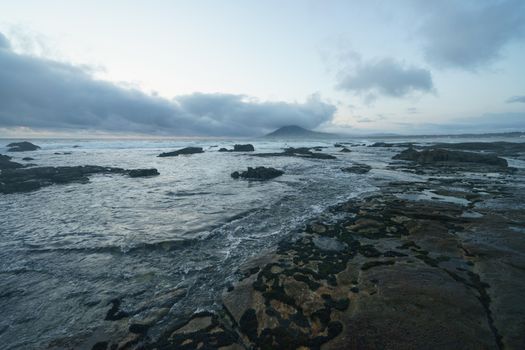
(67,250)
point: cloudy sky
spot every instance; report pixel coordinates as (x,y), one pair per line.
(243,68)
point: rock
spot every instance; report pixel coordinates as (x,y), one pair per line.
(22,146)
(303,152)
(243,148)
(384,144)
(29,179)
(143,172)
(436,156)
(6,163)
(239,148)
(500,148)
(345,150)
(338,145)
(258,173)
(28,159)
(357,168)
(186,150)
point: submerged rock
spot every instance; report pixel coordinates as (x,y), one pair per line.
(28,159)
(30,179)
(258,173)
(345,150)
(22,146)
(6,163)
(436,156)
(143,172)
(385,144)
(357,168)
(303,152)
(186,150)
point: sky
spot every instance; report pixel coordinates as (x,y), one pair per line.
(245,68)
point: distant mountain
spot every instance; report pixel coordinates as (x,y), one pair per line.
(296,132)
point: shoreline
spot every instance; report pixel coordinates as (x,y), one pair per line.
(442,268)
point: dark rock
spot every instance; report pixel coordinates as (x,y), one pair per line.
(384,144)
(357,168)
(258,173)
(6,163)
(29,179)
(76,146)
(186,150)
(338,145)
(143,172)
(239,148)
(28,159)
(243,148)
(138,328)
(304,152)
(501,148)
(433,156)
(345,150)
(115,313)
(22,146)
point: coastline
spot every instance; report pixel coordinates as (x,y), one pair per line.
(433,264)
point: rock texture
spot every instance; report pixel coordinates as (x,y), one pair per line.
(258,173)
(357,168)
(30,179)
(143,172)
(182,151)
(303,152)
(22,146)
(437,156)
(6,163)
(239,148)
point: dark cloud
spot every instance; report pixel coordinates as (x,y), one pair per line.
(469,34)
(46,94)
(516,99)
(385,77)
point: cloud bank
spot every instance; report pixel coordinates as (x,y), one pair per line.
(469,34)
(385,77)
(45,94)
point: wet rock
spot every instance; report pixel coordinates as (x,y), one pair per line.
(30,179)
(27,159)
(357,168)
(345,150)
(500,148)
(115,313)
(239,148)
(6,163)
(22,146)
(384,144)
(182,151)
(437,156)
(243,148)
(143,172)
(303,152)
(258,173)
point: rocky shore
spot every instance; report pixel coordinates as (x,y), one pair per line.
(433,263)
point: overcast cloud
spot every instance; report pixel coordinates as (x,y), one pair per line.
(469,34)
(41,93)
(385,77)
